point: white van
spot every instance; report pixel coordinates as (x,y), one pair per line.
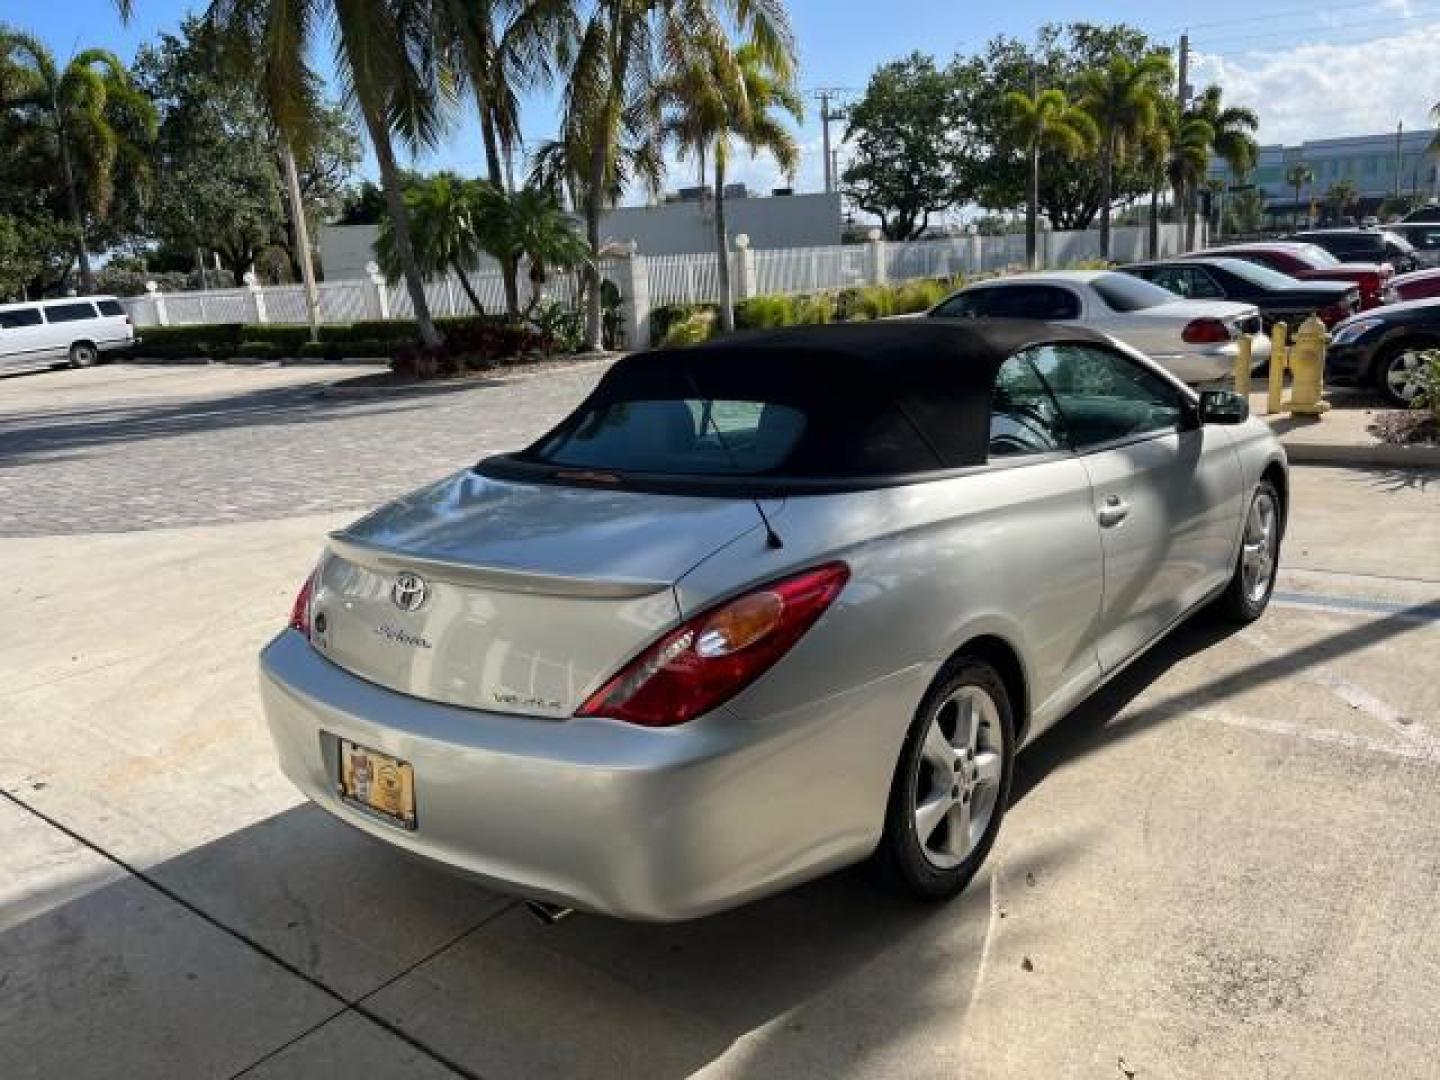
(77,330)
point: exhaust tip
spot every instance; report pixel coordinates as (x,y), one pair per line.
(549,914)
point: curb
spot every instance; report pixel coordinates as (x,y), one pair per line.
(1382,454)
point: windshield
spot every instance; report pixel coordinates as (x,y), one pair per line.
(1263,276)
(1401,243)
(1318,255)
(1121,292)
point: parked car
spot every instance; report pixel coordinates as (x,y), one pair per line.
(1364,245)
(765,607)
(1310,263)
(1277,296)
(1428,212)
(1385,349)
(77,330)
(1195,340)
(1424,237)
(1417,285)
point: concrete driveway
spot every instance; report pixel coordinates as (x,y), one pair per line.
(1225,865)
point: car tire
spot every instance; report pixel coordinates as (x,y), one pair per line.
(941,822)
(1248,593)
(83,355)
(1397,371)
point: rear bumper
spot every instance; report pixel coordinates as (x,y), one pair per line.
(1214,362)
(594,814)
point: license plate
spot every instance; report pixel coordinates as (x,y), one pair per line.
(377,783)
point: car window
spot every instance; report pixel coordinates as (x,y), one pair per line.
(1259,274)
(1424,239)
(1121,292)
(1023,415)
(19,317)
(59,313)
(1104,396)
(1020,300)
(110,307)
(1191,282)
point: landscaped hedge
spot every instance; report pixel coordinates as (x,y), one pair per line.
(688,324)
(278,341)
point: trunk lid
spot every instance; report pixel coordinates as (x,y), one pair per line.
(511,597)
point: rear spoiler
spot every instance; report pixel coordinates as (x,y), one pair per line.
(502,579)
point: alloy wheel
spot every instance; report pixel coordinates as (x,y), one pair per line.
(1402,375)
(1261,544)
(960,768)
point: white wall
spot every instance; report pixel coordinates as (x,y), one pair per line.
(681,228)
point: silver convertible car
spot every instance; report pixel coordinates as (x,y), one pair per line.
(767,607)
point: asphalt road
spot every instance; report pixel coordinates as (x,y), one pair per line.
(1227,864)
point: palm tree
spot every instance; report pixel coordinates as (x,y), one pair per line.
(1232,140)
(500,49)
(623,50)
(444,211)
(532,227)
(1342,195)
(1047,121)
(78,109)
(1123,99)
(390,74)
(1188,163)
(703,117)
(1297,176)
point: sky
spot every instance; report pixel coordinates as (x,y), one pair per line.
(1327,69)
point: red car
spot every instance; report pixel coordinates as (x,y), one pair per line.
(1417,285)
(1311,263)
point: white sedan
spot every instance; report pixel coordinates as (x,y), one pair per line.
(1196,340)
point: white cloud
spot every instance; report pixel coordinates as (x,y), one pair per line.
(1330,90)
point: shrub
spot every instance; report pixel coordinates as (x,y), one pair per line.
(287,339)
(765,312)
(814,309)
(1429,396)
(259,350)
(474,345)
(667,315)
(198,339)
(916,296)
(699,326)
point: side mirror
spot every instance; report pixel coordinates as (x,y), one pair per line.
(1223,407)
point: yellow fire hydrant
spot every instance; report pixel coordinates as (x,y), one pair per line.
(1307,362)
(1244,356)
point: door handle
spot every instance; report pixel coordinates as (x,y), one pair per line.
(1114,511)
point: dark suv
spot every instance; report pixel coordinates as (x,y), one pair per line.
(1364,245)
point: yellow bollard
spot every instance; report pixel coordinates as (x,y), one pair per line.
(1244,355)
(1278,352)
(1307,362)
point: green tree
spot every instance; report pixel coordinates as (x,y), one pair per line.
(1189,160)
(390,74)
(1232,139)
(444,213)
(998,170)
(92,116)
(528,225)
(1342,195)
(1123,98)
(704,117)
(1046,121)
(624,48)
(1298,176)
(910,147)
(500,49)
(218,178)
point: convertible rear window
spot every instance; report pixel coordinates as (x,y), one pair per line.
(708,414)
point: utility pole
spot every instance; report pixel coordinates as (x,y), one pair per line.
(824,95)
(1182,89)
(1399,162)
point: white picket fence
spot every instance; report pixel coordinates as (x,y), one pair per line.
(647,282)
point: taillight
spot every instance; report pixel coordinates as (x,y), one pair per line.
(709,659)
(300,610)
(1205,332)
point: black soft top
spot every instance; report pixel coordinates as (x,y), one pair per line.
(913,394)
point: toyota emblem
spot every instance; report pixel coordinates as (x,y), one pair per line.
(409,592)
